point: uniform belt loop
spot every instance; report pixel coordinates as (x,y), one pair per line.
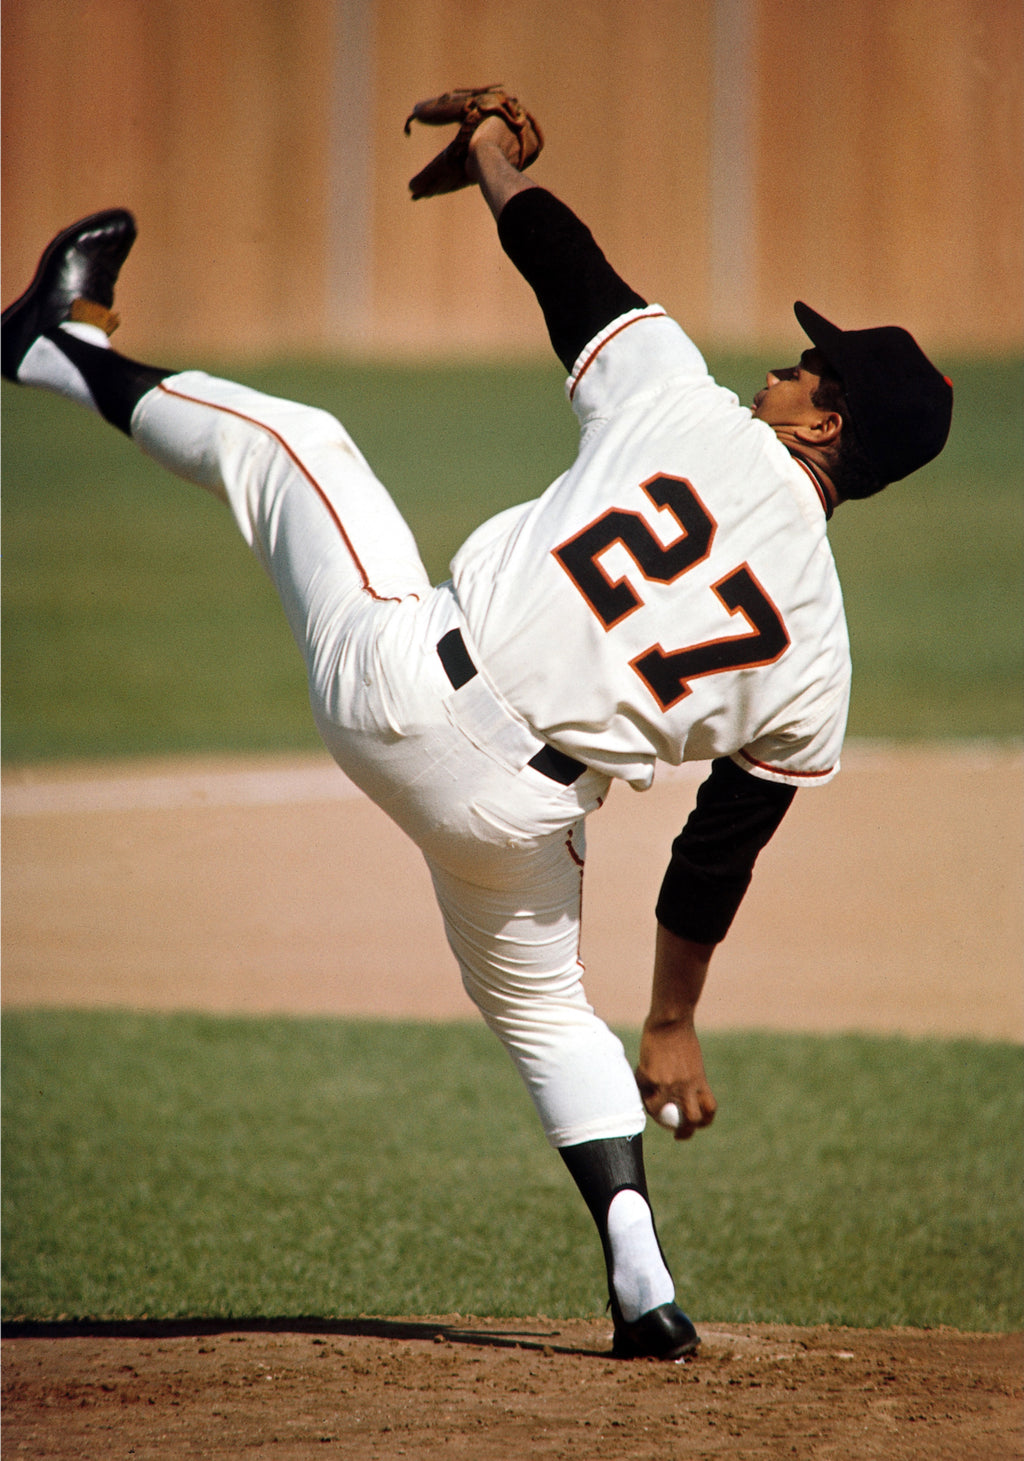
(454,656)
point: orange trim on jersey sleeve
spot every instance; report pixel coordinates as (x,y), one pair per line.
(297,461)
(655,315)
(784,770)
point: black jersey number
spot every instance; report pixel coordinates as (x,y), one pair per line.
(667,673)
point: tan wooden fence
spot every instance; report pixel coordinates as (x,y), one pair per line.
(730,155)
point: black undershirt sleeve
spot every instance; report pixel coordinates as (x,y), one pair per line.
(576,287)
(735,816)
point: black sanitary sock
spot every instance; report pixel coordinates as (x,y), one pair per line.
(600,1169)
(116,383)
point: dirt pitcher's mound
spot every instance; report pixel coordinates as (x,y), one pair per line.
(496,1390)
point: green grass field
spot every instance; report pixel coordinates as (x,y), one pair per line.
(135,622)
(186,1165)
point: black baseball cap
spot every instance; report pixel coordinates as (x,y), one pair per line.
(900,405)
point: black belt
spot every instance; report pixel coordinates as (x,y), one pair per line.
(460,669)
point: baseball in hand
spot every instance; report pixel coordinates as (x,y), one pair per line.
(669,1115)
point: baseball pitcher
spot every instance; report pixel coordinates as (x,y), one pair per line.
(670,597)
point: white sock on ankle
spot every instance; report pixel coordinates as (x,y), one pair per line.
(639,1275)
(91,334)
(45,365)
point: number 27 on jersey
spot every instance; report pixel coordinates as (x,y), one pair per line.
(667,672)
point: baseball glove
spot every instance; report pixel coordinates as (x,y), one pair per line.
(446,173)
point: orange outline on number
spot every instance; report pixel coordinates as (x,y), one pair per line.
(756,635)
(772,627)
(685,533)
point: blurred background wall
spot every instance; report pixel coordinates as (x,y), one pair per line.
(730,155)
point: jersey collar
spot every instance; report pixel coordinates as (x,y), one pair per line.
(821,485)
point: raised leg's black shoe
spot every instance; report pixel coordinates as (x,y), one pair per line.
(81,263)
(664,1333)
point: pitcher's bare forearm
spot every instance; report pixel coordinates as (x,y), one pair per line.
(490,164)
(680,973)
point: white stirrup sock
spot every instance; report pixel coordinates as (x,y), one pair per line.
(639,1276)
(45,365)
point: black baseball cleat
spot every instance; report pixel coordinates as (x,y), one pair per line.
(82,262)
(664,1333)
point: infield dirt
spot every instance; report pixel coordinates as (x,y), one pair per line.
(889,902)
(495,1391)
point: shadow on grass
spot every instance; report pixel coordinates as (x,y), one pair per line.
(426,1332)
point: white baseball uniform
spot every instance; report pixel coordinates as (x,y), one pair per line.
(671,597)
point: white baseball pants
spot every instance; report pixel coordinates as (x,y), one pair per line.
(504,844)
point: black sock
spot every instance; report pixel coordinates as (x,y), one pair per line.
(115,383)
(600,1169)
